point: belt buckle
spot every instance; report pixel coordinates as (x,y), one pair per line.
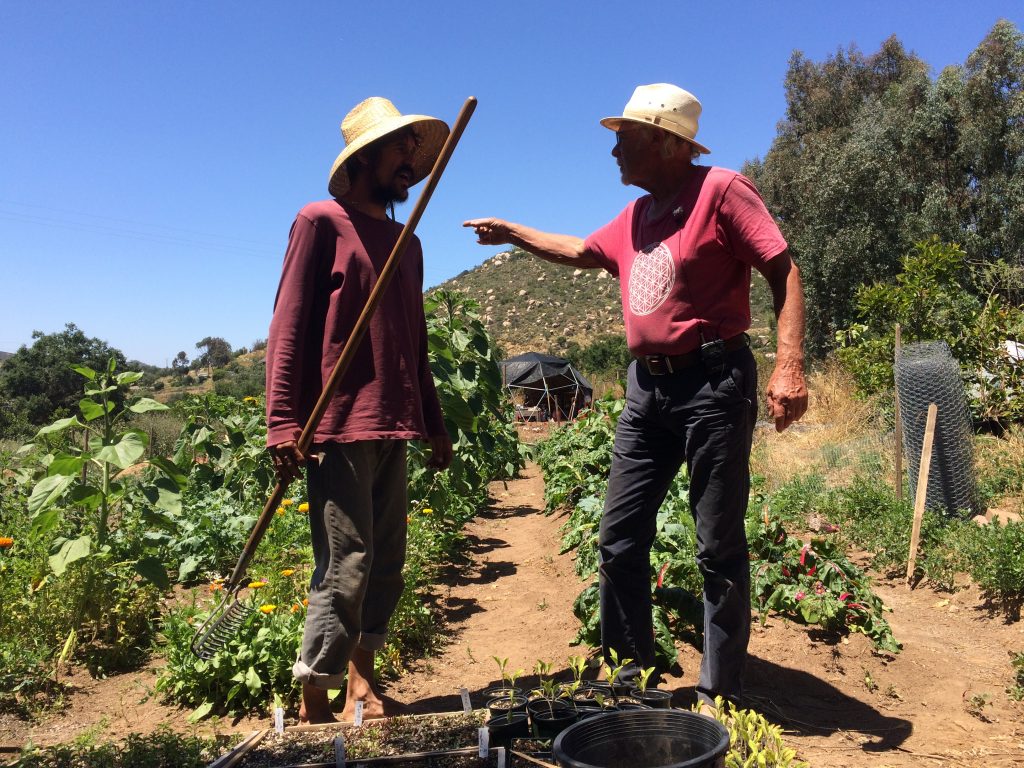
(658,365)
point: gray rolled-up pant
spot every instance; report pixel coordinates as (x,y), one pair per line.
(357,516)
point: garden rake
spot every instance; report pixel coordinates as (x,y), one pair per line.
(231,612)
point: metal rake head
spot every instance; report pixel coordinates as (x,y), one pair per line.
(222,625)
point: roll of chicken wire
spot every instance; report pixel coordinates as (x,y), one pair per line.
(927,373)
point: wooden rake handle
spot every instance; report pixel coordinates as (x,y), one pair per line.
(358,331)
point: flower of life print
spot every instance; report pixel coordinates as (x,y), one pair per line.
(651,278)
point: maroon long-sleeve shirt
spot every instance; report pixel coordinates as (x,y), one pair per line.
(334,256)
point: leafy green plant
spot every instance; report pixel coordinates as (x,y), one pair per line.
(753,741)
(814,583)
(1016,690)
(643,678)
(90,480)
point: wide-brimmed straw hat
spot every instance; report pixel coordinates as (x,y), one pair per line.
(374,119)
(667,106)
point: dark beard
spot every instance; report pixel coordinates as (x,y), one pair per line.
(388,194)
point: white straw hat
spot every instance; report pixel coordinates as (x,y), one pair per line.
(374,119)
(667,106)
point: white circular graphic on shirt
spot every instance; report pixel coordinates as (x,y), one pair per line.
(651,278)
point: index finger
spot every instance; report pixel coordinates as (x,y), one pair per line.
(474,222)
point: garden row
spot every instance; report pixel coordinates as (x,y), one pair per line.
(798,573)
(96,533)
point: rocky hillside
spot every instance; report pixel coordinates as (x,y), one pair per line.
(532,305)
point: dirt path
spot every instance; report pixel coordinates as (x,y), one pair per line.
(941,702)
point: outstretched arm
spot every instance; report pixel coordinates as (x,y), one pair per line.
(787,391)
(560,249)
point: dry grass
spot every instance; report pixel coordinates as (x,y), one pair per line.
(839,436)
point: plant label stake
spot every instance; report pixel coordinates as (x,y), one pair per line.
(467,707)
(484,739)
(922,488)
(278,720)
(501,757)
(229,615)
(357,719)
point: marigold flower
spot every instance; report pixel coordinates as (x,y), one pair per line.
(257,584)
(268,608)
(216,586)
(249,399)
(280,510)
(287,571)
(428,511)
(800,595)
(305,602)
(6,542)
(304,507)
(287,502)
(296,608)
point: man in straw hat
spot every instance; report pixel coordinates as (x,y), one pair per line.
(683,255)
(357,472)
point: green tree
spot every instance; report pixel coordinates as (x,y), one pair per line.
(217,352)
(38,383)
(874,155)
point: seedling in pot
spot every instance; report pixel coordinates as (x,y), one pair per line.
(613,670)
(643,678)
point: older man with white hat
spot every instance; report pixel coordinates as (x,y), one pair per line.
(683,255)
(357,481)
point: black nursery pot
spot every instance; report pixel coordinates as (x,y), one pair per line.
(549,721)
(649,738)
(653,697)
(505,727)
(503,705)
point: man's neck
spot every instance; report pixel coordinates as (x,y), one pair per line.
(360,198)
(666,187)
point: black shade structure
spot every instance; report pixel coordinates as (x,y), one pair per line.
(545,386)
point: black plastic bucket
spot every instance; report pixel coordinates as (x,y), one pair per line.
(648,738)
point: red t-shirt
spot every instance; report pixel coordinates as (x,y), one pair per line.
(691,264)
(332,262)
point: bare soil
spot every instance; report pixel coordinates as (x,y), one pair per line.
(941,702)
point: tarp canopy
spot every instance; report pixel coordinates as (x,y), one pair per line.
(547,382)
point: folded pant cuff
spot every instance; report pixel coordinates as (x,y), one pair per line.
(304,673)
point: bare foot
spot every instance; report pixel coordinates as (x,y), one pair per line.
(361,687)
(315,706)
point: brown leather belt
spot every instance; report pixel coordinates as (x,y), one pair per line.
(660,365)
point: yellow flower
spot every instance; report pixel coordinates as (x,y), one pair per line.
(268,608)
(287,502)
(305,601)
(6,542)
(257,584)
(428,511)
(249,400)
(287,571)
(304,507)
(280,510)
(216,586)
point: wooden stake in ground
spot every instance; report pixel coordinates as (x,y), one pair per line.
(922,488)
(898,437)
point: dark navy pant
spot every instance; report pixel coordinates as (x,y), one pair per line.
(707,421)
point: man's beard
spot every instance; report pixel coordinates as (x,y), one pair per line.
(391,193)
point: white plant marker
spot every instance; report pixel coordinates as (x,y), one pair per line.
(501,757)
(279,720)
(485,744)
(357,720)
(339,751)
(467,707)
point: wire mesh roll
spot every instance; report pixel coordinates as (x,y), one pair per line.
(927,373)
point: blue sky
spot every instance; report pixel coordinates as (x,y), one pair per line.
(153,155)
